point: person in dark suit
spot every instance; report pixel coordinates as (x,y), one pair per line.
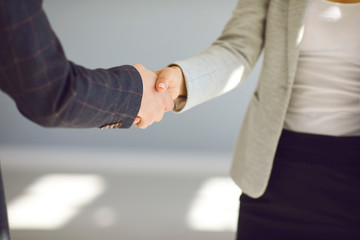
(54,92)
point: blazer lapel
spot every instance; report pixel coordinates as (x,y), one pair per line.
(295,31)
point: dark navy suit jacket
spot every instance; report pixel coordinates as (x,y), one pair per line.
(52,91)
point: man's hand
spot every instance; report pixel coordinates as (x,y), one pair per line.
(171,79)
(153,104)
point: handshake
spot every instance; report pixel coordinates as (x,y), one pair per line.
(160,89)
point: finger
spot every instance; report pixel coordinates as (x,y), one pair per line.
(146,121)
(169,103)
(172,105)
(162,81)
(159,117)
(137,120)
(141,125)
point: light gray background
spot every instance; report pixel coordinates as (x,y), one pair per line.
(152,175)
(154,33)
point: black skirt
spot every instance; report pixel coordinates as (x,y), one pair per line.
(313,192)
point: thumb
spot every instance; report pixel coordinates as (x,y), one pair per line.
(162,81)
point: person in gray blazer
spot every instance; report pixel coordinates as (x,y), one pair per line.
(297,157)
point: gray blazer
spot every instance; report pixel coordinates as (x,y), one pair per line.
(276,27)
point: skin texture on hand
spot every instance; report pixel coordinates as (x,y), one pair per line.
(171,79)
(154,103)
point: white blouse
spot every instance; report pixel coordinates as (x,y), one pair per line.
(326,93)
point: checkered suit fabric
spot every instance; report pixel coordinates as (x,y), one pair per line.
(52,91)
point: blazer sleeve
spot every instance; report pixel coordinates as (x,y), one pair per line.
(230,59)
(52,91)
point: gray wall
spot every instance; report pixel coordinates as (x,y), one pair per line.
(108,33)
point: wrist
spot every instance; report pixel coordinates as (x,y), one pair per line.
(181,80)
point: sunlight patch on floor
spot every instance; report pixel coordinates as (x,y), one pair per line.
(215,206)
(53,200)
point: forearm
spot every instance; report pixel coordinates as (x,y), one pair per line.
(230,59)
(84,98)
(50,90)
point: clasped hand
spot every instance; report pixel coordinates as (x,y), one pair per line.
(160,89)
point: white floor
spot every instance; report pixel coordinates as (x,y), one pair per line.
(112,194)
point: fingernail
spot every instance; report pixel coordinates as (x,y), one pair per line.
(162,85)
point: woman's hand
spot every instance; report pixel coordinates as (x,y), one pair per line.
(153,103)
(171,79)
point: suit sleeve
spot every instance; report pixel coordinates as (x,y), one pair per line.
(52,91)
(230,59)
